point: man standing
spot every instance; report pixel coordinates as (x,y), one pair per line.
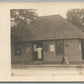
(39,53)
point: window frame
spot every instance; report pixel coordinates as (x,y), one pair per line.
(52,47)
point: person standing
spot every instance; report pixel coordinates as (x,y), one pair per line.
(39,53)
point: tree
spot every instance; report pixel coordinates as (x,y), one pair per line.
(21,22)
(76,17)
(22,16)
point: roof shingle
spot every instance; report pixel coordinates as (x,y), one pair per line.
(52,27)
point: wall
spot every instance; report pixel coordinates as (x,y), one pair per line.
(72,50)
(49,56)
(26,53)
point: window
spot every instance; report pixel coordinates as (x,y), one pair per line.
(59,47)
(17,49)
(52,47)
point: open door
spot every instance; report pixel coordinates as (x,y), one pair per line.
(82,46)
(37,51)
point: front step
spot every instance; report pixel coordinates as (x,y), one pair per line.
(36,62)
(82,62)
(46,65)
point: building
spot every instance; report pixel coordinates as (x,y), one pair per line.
(55,36)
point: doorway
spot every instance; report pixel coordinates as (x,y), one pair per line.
(82,46)
(37,51)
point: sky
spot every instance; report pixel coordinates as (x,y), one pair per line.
(60,8)
(55,8)
(45,8)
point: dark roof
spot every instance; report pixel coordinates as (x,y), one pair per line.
(51,27)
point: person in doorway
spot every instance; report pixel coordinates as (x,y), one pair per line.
(39,52)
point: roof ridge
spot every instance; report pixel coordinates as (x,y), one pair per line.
(50,15)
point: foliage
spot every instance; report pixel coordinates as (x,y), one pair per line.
(76,17)
(22,16)
(22,21)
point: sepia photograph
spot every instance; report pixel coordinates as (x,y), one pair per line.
(42,41)
(49,44)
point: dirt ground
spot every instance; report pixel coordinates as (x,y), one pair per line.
(46,70)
